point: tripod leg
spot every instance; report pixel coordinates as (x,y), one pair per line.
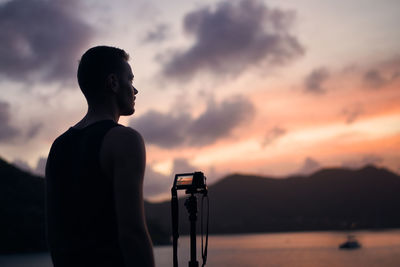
(191,205)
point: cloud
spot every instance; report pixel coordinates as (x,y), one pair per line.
(213,175)
(164,130)
(34,130)
(219,120)
(314,81)
(157,35)
(155,183)
(309,166)
(374,79)
(382,74)
(272,135)
(41,39)
(182,165)
(234,37)
(158,185)
(370,159)
(7,131)
(352,113)
(216,122)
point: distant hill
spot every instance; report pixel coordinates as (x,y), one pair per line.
(22,212)
(330,199)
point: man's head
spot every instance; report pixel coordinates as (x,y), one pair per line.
(104,74)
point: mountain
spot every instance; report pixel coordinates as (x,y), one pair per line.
(330,199)
(22,212)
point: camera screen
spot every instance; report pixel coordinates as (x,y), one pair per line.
(184,180)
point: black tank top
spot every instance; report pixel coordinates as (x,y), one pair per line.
(81,219)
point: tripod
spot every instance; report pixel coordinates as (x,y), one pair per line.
(194,183)
(191,206)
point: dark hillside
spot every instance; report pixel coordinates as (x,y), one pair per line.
(331,199)
(22,212)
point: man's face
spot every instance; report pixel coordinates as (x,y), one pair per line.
(126,93)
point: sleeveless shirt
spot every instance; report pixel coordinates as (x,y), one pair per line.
(81,217)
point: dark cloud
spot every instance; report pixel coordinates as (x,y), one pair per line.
(233,37)
(7,131)
(309,166)
(41,39)
(165,130)
(314,81)
(219,120)
(216,122)
(272,135)
(382,74)
(158,34)
(352,113)
(396,75)
(34,130)
(375,79)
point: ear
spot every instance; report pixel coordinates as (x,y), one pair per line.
(112,82)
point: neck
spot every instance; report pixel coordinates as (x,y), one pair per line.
(99,112)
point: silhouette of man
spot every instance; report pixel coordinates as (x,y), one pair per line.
(94,173)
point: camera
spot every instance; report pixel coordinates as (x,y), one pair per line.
(191,182)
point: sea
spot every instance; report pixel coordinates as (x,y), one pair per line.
(302,249)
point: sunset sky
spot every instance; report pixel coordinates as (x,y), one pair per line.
(260,87)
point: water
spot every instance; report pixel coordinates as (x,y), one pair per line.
(311,249)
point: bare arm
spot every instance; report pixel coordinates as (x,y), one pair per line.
(123,158)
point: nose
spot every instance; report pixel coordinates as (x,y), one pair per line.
(135,91)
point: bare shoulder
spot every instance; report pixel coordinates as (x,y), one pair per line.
(122,144)
(123,138)
(123,132)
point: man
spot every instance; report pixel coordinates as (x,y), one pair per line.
(94,174)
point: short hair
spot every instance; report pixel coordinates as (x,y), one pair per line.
(95,65)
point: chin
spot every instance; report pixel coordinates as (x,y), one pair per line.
(127,109)
(128,112)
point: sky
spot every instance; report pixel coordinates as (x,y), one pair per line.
(272,88)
